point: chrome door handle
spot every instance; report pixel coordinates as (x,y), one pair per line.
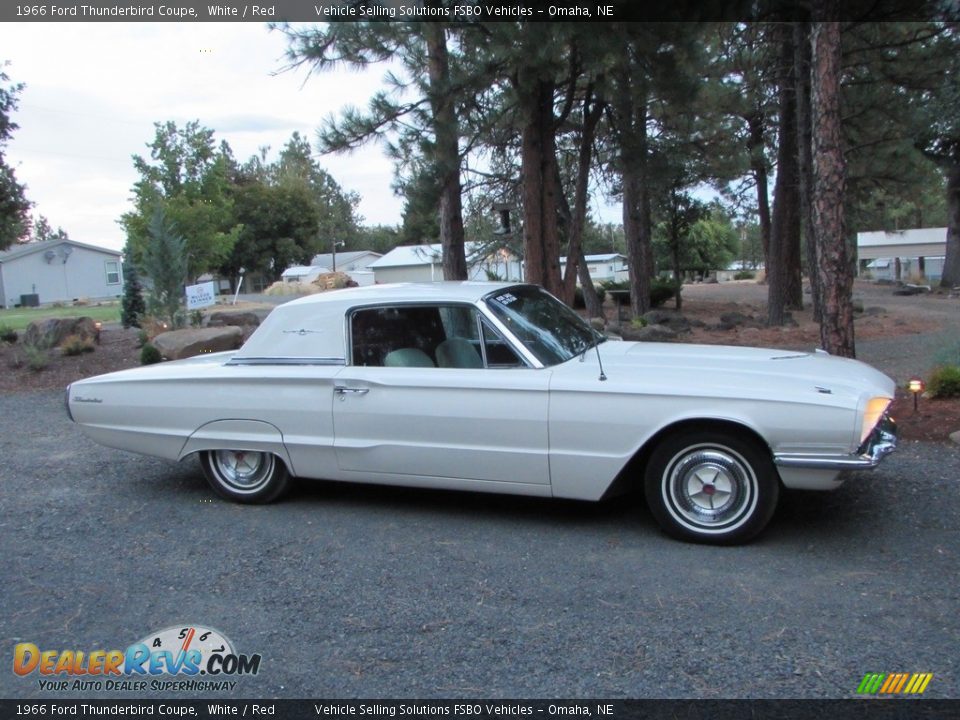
(342,390)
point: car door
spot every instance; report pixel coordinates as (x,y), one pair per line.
(397,412)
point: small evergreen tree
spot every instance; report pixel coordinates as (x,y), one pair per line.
(164,261)
(133,308)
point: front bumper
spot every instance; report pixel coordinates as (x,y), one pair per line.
(879,443)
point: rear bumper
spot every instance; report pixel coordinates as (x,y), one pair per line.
(880,443)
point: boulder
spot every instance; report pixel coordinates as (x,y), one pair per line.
(50,333)
(730,320)
(673,320)
(650,333)
(179,344)
(910,289)
(236,317)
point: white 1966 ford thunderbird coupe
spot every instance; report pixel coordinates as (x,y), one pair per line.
(501,388)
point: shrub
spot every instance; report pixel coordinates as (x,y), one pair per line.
(133,307)
(944,382)
(142,338)
(745,275)
(660,290)
(37,358)
(76,345)
(578,301)
(196,318)
(149,355)
(8,334)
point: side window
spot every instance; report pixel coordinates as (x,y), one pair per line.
(496,350)
(113,272)
(402,336)
(443,336)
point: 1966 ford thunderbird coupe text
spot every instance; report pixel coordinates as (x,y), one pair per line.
(501,388)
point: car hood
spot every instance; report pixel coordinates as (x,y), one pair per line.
(718,370)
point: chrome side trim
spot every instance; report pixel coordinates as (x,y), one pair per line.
(880,443)
(286,361)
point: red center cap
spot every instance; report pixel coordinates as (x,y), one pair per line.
(709,489)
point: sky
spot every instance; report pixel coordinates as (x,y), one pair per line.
(94,91)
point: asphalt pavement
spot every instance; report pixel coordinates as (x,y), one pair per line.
(363,591)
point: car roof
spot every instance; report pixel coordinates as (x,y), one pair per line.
(454,291)
(313,326)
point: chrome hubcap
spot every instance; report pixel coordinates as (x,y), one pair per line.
(242,470)
(710,487)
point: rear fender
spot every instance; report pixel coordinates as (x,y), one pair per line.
(238,435)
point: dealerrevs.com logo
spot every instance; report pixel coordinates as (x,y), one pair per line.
(187,657)
(894,683)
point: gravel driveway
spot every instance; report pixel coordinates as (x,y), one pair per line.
(351,591)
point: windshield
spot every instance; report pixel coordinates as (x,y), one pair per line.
(549,329)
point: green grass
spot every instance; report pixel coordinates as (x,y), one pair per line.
(19,318)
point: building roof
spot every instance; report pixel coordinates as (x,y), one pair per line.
(25,249)
(301,270)
(603,257)
(921,236)
(417,255)
(343,258)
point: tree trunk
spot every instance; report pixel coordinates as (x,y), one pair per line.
(829,180)
(446,154)
(784,286)
(541,247)
(575,255)
(591,116)
(801,38)
(758,166)
(951,263)
(631,112)
(591,299)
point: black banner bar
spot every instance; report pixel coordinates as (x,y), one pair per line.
(460,10)
(866,709)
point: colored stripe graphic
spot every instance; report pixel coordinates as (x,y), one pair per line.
(871,683)
(894,683)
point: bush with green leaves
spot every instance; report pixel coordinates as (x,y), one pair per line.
(37,358)
(944,382)
(149,355)
(745,275)
(8,334)
(74,345)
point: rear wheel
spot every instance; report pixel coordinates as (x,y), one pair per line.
(711,486)
(246,476)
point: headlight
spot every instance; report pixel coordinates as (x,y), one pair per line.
(872,413)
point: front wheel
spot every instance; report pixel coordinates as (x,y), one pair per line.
(246,476)
(711,487)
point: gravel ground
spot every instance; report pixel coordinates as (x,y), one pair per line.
(351,591)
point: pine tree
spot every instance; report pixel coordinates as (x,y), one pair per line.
(165,262)
(133,307)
